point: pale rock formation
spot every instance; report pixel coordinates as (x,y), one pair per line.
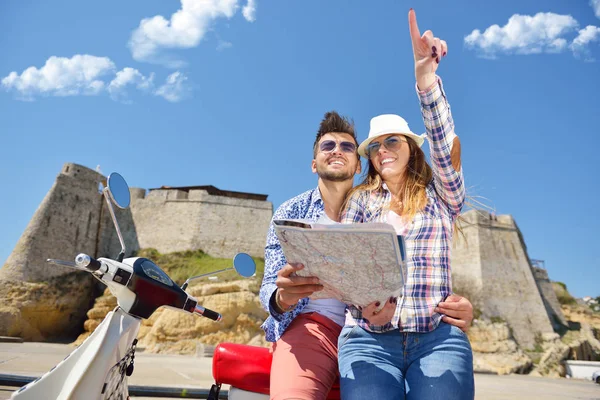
(43,311)
(495,350)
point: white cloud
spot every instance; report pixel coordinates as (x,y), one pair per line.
(60,76)
(249,10)
(579,46)
(126,77)
(174,89)
(185,29)
(89,75)
(596,6)
(524,34)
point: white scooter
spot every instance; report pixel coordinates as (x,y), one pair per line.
(99,367)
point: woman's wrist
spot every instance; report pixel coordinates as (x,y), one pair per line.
(425,82)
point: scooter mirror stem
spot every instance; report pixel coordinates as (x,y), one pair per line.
(114,219)
(186,283)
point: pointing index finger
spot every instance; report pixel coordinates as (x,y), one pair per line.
(415,34)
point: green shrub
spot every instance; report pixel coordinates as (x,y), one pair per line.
(566,298)
(562,294)
(561,284)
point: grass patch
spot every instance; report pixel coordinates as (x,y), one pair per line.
(562,294)
(561,284)
(185,264)
(536,356)
(566,298)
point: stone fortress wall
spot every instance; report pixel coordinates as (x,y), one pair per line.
(490,264)
(548,296)
(66,223)
(221,223)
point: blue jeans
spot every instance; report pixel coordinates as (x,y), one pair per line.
(396,365)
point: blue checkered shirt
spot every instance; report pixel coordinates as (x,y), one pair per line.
(308,205)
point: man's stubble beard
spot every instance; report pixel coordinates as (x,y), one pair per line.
(335,176)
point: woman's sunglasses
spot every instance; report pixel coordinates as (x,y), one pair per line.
(392,143)
(327,146)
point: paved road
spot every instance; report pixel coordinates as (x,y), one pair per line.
(32,359)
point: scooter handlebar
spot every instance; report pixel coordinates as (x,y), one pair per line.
(87,262)
(205,312)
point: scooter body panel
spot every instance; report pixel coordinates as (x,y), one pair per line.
(76,377)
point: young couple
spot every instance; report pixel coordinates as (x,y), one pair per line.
(414,346)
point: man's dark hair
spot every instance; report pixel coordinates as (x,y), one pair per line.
(334,122)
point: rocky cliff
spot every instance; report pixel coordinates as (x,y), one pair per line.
(41,311)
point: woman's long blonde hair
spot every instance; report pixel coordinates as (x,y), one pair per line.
(412,196)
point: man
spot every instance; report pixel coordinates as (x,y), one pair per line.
(305,332)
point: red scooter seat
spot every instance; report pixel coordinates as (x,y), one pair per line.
(248,368)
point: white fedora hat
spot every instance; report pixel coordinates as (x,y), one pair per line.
(387,124)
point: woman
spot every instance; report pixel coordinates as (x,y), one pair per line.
(405,350)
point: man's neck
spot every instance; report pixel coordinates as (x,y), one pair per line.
(333,195)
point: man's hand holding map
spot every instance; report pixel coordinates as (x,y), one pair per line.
(356,263)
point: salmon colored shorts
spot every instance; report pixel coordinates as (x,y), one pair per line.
(305,359)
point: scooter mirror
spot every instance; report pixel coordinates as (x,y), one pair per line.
(244,265)
(118,189)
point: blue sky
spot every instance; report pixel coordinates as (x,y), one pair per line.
(230,94)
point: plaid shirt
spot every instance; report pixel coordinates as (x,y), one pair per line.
(429,235)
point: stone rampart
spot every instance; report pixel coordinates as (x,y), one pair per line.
(177,220)
(492,264)
(550,299)
(73,218)
(66,223)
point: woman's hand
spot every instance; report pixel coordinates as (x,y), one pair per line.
(428,51)
(382,316)
(457,310)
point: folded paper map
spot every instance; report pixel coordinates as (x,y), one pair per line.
(356,263)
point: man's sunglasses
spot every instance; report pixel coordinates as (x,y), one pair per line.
(327,146)
(392,143)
